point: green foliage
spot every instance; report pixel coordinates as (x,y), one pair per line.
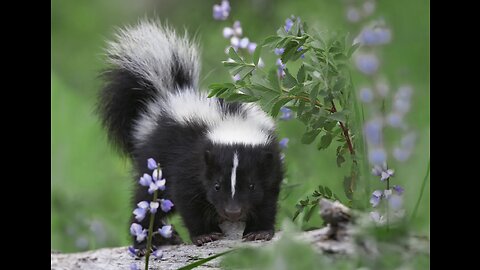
(319,92)
(312,203)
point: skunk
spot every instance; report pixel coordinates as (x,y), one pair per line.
(221,159)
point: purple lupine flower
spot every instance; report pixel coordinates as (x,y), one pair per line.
(387,193)
(227,32)
(382,88)
(395,120)
(378,169)
(286,114)
(137,230)
(353,15)
(152,164)
(132,251)
(368,8)
(157,174)
(387,174)
(166,231)
(398,189)
(281,68)
(154,207)
(367,63)
(279,51)
(288,24)
(251,47)
(134,266)
(235,42)
(375,36)
(145,180)
(377,155)
(283,143)
(161,184)
(237,29)
(299,49)
(221,12)
(158,254)
(376,197)
(395,202)
(366,95)
(373,131)
(403,152)
(244,43)
(152,188)
(140,213)
(143,204)
(377,218)
(166,205)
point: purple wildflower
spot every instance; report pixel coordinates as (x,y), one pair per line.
(398,189)
(137,230)
(154,207)
(132,251)
(237,29)
(367,63)
(143,204)
(377,155)
(152,164)
(221,12)
(158,254)
(157,174)
(279,51)
(375,199)
(286,114)
(395,120)
(140,213)
(166,231)
(227,32)
(235,42)
(283,143)
(353,15)
(145,180)
(366,95)
(288,24)
(244,43)
(251,47)
(281,68)
(236,77)
(373,131)
(166,205)
(395,202)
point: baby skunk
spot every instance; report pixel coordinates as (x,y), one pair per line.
(221,160)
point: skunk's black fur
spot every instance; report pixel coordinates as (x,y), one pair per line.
(221,160)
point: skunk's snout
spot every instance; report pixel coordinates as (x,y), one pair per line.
(233,213)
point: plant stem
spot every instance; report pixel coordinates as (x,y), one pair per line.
(421,192)
(346,135)
(150,232)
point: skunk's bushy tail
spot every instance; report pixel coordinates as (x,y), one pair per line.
(146,61)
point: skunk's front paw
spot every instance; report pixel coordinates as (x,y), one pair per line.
(204,238)
(260,235)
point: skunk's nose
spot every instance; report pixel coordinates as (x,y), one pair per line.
(233,213)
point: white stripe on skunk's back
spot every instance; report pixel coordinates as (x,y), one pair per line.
(249,126)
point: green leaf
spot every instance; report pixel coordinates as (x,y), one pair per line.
(325,141)
(299,210)
(352,49)
(310,136)
(314,94)
(337,116)
(271,40)
(340,160)
(256,55)
(328,192)
(321,189)
(241,97)
(301,108)
(278,105)
(310,212)
(233,54)
(273,79)
(290,49)
(347,181)
(289,81)
(301,74)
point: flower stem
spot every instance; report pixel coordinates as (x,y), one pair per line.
(150,232)
(421,192)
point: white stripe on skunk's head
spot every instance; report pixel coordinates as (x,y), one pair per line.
(249,126)
(236,130)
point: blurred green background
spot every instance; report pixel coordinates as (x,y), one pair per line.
(91,184)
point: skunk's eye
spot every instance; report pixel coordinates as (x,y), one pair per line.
(251,187)
(217,186)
